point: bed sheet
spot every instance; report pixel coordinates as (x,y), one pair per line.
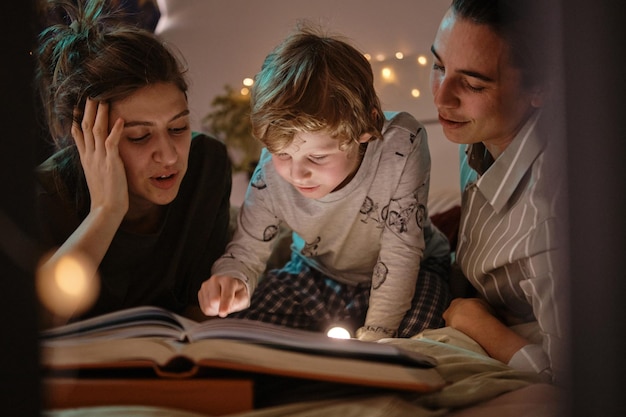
(477,385)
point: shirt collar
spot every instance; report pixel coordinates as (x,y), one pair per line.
(500,180)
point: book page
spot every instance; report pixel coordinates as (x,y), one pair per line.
(71,354)
(263,359)
(146,321)
(303,341)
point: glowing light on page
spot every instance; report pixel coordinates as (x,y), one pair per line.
(338,332)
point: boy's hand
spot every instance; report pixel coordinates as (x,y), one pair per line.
(221,295)
(100,159)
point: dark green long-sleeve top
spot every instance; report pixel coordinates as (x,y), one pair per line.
(165,268)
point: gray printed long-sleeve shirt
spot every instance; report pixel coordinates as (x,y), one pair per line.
(374,230)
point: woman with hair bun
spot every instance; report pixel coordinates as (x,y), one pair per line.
(130,188)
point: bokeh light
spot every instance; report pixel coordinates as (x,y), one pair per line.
(388,74)
(68,285)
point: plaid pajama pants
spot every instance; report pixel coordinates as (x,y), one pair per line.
(301,297)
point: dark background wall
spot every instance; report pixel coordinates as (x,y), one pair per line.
(595,41)
(19,385)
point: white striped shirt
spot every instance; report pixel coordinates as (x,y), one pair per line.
(508,244)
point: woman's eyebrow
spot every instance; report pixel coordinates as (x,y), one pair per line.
(181,114)
(132,123)
(469,73)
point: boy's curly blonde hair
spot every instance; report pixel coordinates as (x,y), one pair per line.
(314,82)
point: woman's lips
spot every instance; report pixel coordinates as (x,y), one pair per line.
(164,182)
(450,123)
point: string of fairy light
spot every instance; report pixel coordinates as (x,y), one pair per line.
(387,71)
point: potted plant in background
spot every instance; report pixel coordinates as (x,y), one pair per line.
(229,121)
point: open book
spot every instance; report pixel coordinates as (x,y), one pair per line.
(154,337)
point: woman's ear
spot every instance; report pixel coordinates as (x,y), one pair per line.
(538,96)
